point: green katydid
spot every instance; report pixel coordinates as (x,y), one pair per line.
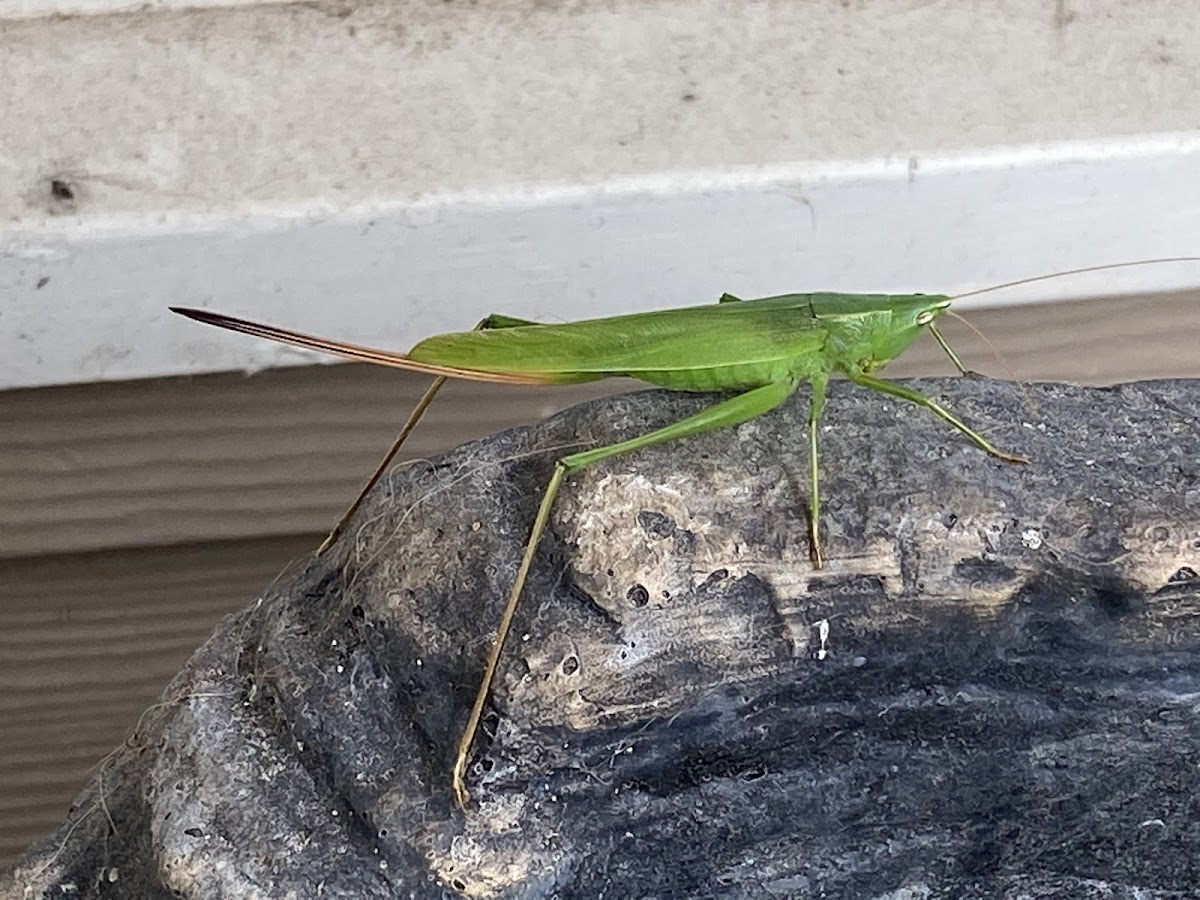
(761,349)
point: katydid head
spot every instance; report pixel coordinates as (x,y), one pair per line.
(909,316)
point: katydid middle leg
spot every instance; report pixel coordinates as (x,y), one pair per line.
(729,412)
(492,321)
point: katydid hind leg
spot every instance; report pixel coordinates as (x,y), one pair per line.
(726,413)
(463,753)
(494,320)
(904,392)
(409,424)
(816,404)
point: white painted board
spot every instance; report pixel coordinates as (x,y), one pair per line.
(90,304)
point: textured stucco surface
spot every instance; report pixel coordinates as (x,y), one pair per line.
(329,104)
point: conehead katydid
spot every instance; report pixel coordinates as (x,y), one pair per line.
(759,350)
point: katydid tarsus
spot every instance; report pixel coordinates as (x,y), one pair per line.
(760,350)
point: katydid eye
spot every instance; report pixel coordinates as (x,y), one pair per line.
(924,318)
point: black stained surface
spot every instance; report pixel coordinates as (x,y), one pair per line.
(1005,702)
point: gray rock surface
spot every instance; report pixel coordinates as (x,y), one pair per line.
(993,689)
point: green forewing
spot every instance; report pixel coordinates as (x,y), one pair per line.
(727,345)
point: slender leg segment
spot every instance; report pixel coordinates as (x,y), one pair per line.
(492,321)
(913,396)
(409,424)
(729,412)
(814,503)
(945,346)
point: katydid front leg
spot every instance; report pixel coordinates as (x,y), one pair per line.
(729,412)
(493,321)
(914,396)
